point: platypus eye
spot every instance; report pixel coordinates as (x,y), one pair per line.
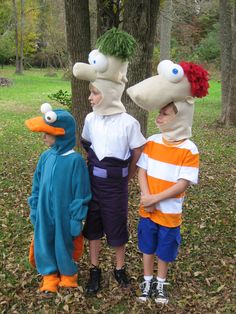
(51,116)
(171,71)
(45,107)
(98,61)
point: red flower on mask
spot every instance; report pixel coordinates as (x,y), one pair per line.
(198,78)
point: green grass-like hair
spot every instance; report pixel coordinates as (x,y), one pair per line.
(117,43)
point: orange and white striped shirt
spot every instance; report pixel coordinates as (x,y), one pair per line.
(165,164)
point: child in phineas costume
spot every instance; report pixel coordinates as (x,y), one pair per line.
(58,204)
(168,165)
(114,143)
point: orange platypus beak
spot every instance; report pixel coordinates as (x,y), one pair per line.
(39,125)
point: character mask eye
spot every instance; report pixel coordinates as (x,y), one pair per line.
(51,116)
(45,108)
(171,71)
(98,61)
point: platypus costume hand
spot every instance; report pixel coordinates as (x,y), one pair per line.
(177,83)
(107,69)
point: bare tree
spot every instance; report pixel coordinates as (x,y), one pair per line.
(230,117)
(16,36)
(228,62)
(19,45)
(108,15)
(140,19)
(78,44)
(93,21)
(22,35)
(166,25)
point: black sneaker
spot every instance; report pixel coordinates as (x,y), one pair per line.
(122,277)
(161,295)
(146,288)
(94,283)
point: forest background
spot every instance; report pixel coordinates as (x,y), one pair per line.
(202,280)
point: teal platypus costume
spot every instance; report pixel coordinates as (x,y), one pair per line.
(60,194)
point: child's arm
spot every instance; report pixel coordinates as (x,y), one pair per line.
(136,152)
(142,178)
(86,144)
(152,199)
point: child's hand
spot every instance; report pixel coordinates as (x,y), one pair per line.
(150,209)
(148,200)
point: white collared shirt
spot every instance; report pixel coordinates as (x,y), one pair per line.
(112,136)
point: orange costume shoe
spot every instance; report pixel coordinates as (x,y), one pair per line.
(69,281)
(50,283)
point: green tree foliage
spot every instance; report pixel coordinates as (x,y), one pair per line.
(5,16)
(62,97)
(195,32)
(209,48)
(7,47)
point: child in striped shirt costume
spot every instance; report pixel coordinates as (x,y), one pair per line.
(168,165)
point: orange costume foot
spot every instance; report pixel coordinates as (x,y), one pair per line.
(50,283)
(69,281)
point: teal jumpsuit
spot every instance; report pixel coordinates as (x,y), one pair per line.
(60,194)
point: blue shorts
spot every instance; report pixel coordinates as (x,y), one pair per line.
(154,238)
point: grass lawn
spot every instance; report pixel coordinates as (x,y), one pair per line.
(203,277)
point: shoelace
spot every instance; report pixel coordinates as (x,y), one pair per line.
(145,287)
(160,287)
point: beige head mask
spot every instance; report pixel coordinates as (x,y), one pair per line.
(177,83)
(107,69)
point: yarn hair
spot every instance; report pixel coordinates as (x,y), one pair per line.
(117,43)
(198,77)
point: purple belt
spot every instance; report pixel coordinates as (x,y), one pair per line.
(110,172)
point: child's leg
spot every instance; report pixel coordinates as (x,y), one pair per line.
(147,285)
(120,256)
(147,242)
(148,264)
(94,281)
(120,271)
(161,295)
(162,269)
(94,250)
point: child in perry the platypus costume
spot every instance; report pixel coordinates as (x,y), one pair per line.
(168,164)
(58,204)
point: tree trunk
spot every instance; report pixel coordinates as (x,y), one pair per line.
(22,36)
(93,22)
(231,104)
(16,36)
(108,15)
(166,25)
(78,44)
(140,19)
(226,54)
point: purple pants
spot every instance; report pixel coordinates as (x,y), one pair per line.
(108,209)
